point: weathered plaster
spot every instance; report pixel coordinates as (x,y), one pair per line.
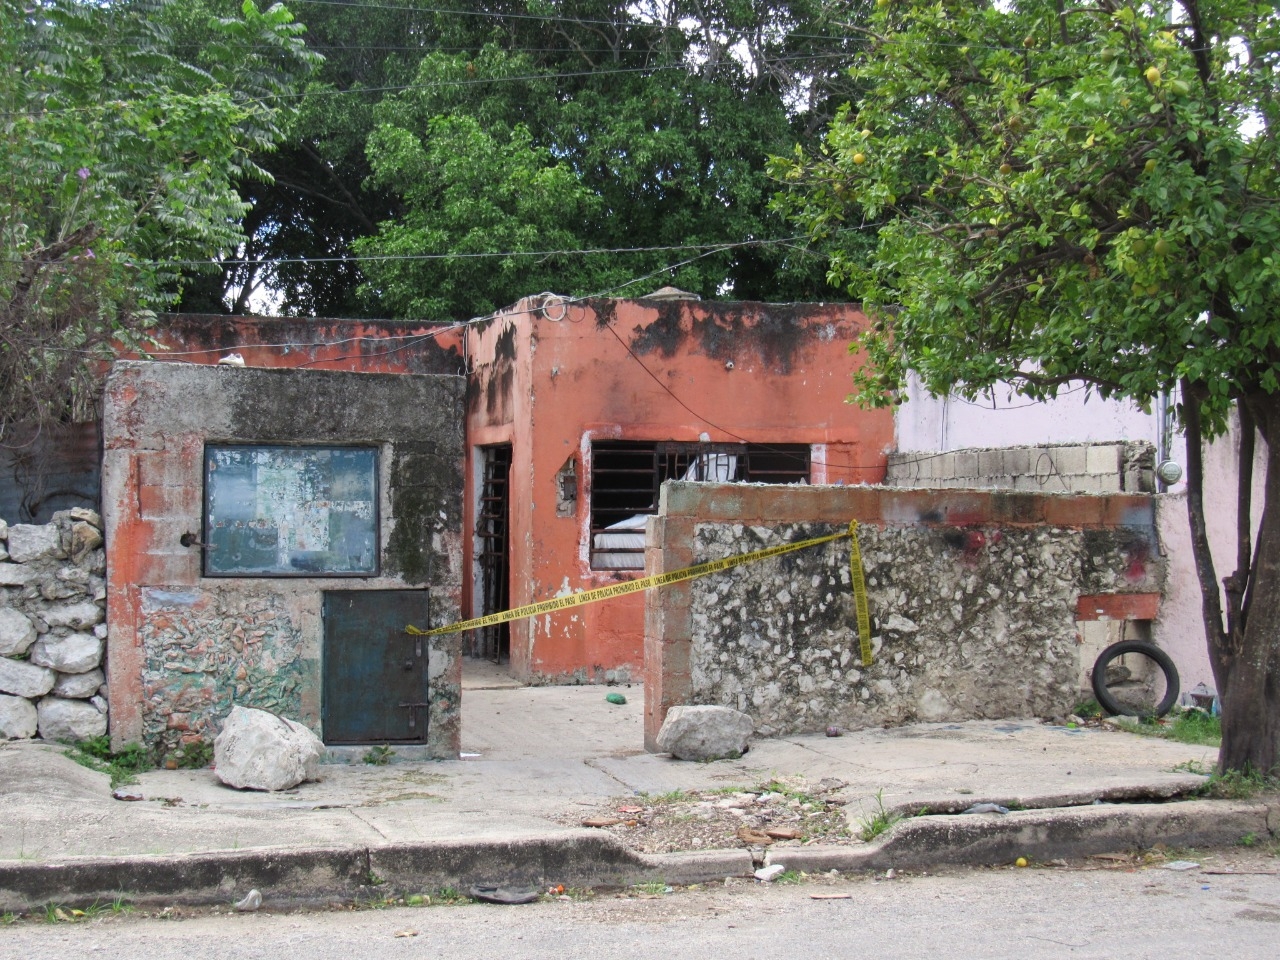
(973,599)
(185,647)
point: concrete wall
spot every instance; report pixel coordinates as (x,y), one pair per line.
(1117,467)
(927,426)
(974,598)
(183,647)
(550,379)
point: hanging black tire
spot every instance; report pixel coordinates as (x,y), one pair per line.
(1120,694)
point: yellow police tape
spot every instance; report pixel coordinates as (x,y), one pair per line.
(677,576)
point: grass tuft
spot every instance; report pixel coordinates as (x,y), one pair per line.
(879,821)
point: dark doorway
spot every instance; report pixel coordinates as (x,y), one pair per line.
(375,674)
(494,552)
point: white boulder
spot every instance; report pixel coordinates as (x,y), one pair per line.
(24,679)
(78,686)
(17,632)
(257,750)
(61,719)
(705,733)
(17,718)
(74,653)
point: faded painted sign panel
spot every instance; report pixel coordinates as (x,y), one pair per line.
(291,511)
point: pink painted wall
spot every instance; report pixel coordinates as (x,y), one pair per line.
(943,424)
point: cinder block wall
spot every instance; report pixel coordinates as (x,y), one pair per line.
(1121,467)
(974,597)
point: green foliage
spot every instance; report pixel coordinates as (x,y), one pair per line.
(1192,726)
(379,756)
(120,168)
(530,128)
(123,766)
(195,755)
(1229,784)
(878,821)
(1085,197)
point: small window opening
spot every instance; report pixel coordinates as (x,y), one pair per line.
(626,477)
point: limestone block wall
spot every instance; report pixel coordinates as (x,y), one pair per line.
(52,629)
(973,597)
(1123,466)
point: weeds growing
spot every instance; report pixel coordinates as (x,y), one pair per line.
(879,821)
(123,766)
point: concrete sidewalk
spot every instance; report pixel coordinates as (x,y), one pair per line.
(534,755)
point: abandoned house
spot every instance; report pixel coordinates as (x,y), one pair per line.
(274,521)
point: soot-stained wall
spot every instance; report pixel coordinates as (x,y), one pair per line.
(973,599)
(185,647)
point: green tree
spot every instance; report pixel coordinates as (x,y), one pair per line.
(665,110)
(119,170)
(1083,193)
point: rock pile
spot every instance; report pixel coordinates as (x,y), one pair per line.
(52,628)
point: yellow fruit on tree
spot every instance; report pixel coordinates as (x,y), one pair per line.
(1006,169)
(859,158)
(1153,75)
(1149,166)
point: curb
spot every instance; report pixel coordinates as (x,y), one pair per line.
(1038,835)
(589,858)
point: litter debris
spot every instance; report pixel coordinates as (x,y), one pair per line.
(504,895)
(770,873)
(469,756)
(127,793)
(1180,865)
(601,821)
(753,837)
(986,808)
(834,732)
(830,896)
(251,902)
(1020,862)
(231,360)
(406,933)
(783,833)
(616,698)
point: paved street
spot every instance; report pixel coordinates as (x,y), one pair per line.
(1092,909)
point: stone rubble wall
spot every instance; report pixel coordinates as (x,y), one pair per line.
(1067,468)
(52,628)
(974,597)
(967,623)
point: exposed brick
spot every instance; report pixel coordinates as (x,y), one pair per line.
(1118,606)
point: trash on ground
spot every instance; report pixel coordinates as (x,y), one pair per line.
(127,793)
(601,821)
(783,833)
(753,837)
(834,732)
(1180,865)
(251,902)
(616,698)
(406,933)
(504,895)
(830,896)
(986,808)
(770,873)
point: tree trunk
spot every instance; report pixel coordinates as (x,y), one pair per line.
(1246,660)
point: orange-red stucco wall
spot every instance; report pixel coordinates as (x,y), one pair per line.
(549,378)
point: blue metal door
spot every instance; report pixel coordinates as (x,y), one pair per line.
(375,675)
